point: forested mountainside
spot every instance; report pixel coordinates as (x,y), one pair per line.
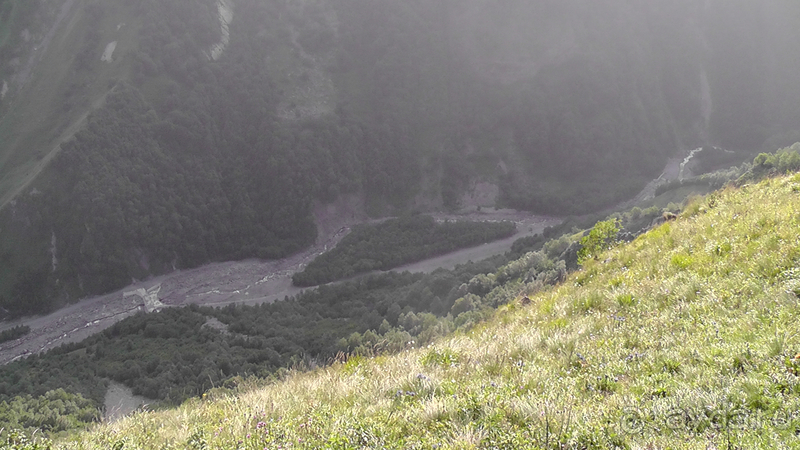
(141,136)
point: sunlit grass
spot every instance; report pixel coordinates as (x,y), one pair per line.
(684,338)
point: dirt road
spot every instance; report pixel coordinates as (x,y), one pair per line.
(243,282)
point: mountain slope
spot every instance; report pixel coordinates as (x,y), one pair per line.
(50,63)
(683,338)
(146,136)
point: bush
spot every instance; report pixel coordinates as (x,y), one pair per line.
(785,160)
(601,238)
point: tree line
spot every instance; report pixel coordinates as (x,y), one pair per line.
(14,333)
(396,242)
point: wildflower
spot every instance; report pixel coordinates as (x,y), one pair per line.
(260,425)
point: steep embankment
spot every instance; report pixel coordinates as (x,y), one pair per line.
(684,338)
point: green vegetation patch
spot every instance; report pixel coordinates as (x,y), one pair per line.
(397,242)
(14,333)
(55,411)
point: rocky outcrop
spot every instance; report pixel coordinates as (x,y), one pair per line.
(225,8)
(149,298)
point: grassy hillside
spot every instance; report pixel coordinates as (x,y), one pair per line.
(681,339)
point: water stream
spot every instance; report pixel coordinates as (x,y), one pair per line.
(686,161)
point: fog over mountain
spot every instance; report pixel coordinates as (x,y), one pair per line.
(142,136)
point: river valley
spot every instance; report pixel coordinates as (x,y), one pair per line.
(219,284)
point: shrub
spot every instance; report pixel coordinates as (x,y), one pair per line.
(602,237)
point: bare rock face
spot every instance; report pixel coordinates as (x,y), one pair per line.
(338,216)
(108,53)
(225,18)
(148,298)
(120,401)
(311,92)
(481,195)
